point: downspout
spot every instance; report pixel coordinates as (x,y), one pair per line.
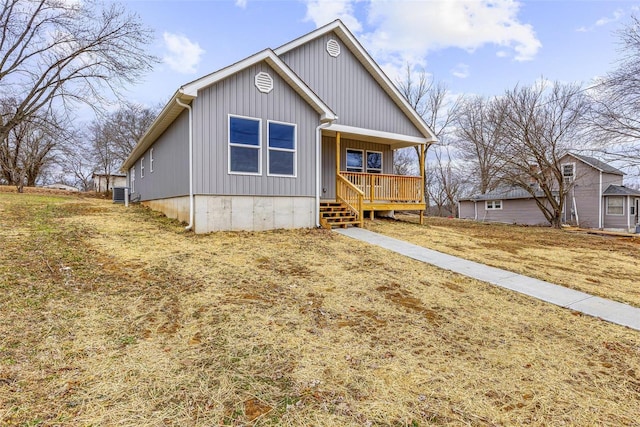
(318,167)
(627,213)
(600,203)
(575,205)
(191,201)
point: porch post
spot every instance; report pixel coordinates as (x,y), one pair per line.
(422,183)
(337,160)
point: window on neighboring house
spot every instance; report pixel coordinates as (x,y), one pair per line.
(615,205)
(374,162)
(632,209)
(141,167)
(151,160)
(355,161)
(493,205)
(282,149)
(568,172)
(244,146)
(132,172)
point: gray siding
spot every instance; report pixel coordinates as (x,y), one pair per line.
(586,191)
(519,211)
(329,160)
(170,176)
(347,87)
(467,210)
(237,95)
(617,221)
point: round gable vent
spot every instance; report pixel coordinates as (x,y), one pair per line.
(333,48)
(264,82)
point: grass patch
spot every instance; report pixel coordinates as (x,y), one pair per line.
(114,316)
(604,266)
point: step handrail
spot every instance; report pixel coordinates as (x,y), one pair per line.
(348,193)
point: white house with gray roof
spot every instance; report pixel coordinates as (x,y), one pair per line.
(596,198)
(298,136)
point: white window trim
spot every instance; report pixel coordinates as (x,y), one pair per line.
(229,145)
(142,167)
(346,159)
(366,161)
(573,177)
(151,160)
(493,204)
(286,150)
(132,180)
(607,206)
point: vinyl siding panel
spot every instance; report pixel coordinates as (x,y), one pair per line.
(237,95)
(170,176)
(519,211)
(329,160)
(347,87)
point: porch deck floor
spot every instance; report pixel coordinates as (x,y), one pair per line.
(611,311)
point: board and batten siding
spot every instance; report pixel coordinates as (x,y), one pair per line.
(329,160)
(347,87)
(170,176)
(237,95)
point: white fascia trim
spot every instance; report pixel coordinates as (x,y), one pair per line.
(378,134)
(168,114)
(387,85)
(267,55)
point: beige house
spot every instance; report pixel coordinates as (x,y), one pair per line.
(105,182)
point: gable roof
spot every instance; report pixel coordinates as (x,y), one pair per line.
(188,92)
(620,190)
(597,164)
(370,65)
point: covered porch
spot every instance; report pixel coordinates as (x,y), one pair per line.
(358,178)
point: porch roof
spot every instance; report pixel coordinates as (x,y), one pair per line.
(394,140)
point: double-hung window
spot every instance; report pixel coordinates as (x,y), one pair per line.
(142,167)
(492,205)
(355,160)
(151,160)
(282,149)
(568,172)
(244,146)
(132,173)
(615,205)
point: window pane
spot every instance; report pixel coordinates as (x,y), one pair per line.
(281,162)
(614,206)
(374,160)
(244,131)
(244,159)
(354,160)
(281,136)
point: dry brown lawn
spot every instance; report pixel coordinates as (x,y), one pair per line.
(114,316)
(600,265)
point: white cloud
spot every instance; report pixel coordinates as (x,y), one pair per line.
(605,20)
(322,12)
(408,30)
(241,4)
(183,55)
(461,71)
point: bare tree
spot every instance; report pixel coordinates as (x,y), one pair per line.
(541,123)
(124,128)
(77,162)
(478,136)
(55,54)
(614,116)
(433,102)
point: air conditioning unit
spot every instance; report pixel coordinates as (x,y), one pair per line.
(119,194)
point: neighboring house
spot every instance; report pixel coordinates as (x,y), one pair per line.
(105,182)
(596,198)
(60,186)
(299,136)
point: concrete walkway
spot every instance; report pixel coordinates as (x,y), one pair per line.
(608,310)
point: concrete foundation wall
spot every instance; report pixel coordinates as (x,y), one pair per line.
(176,207)
(253,213)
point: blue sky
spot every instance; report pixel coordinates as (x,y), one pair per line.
(475,46)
